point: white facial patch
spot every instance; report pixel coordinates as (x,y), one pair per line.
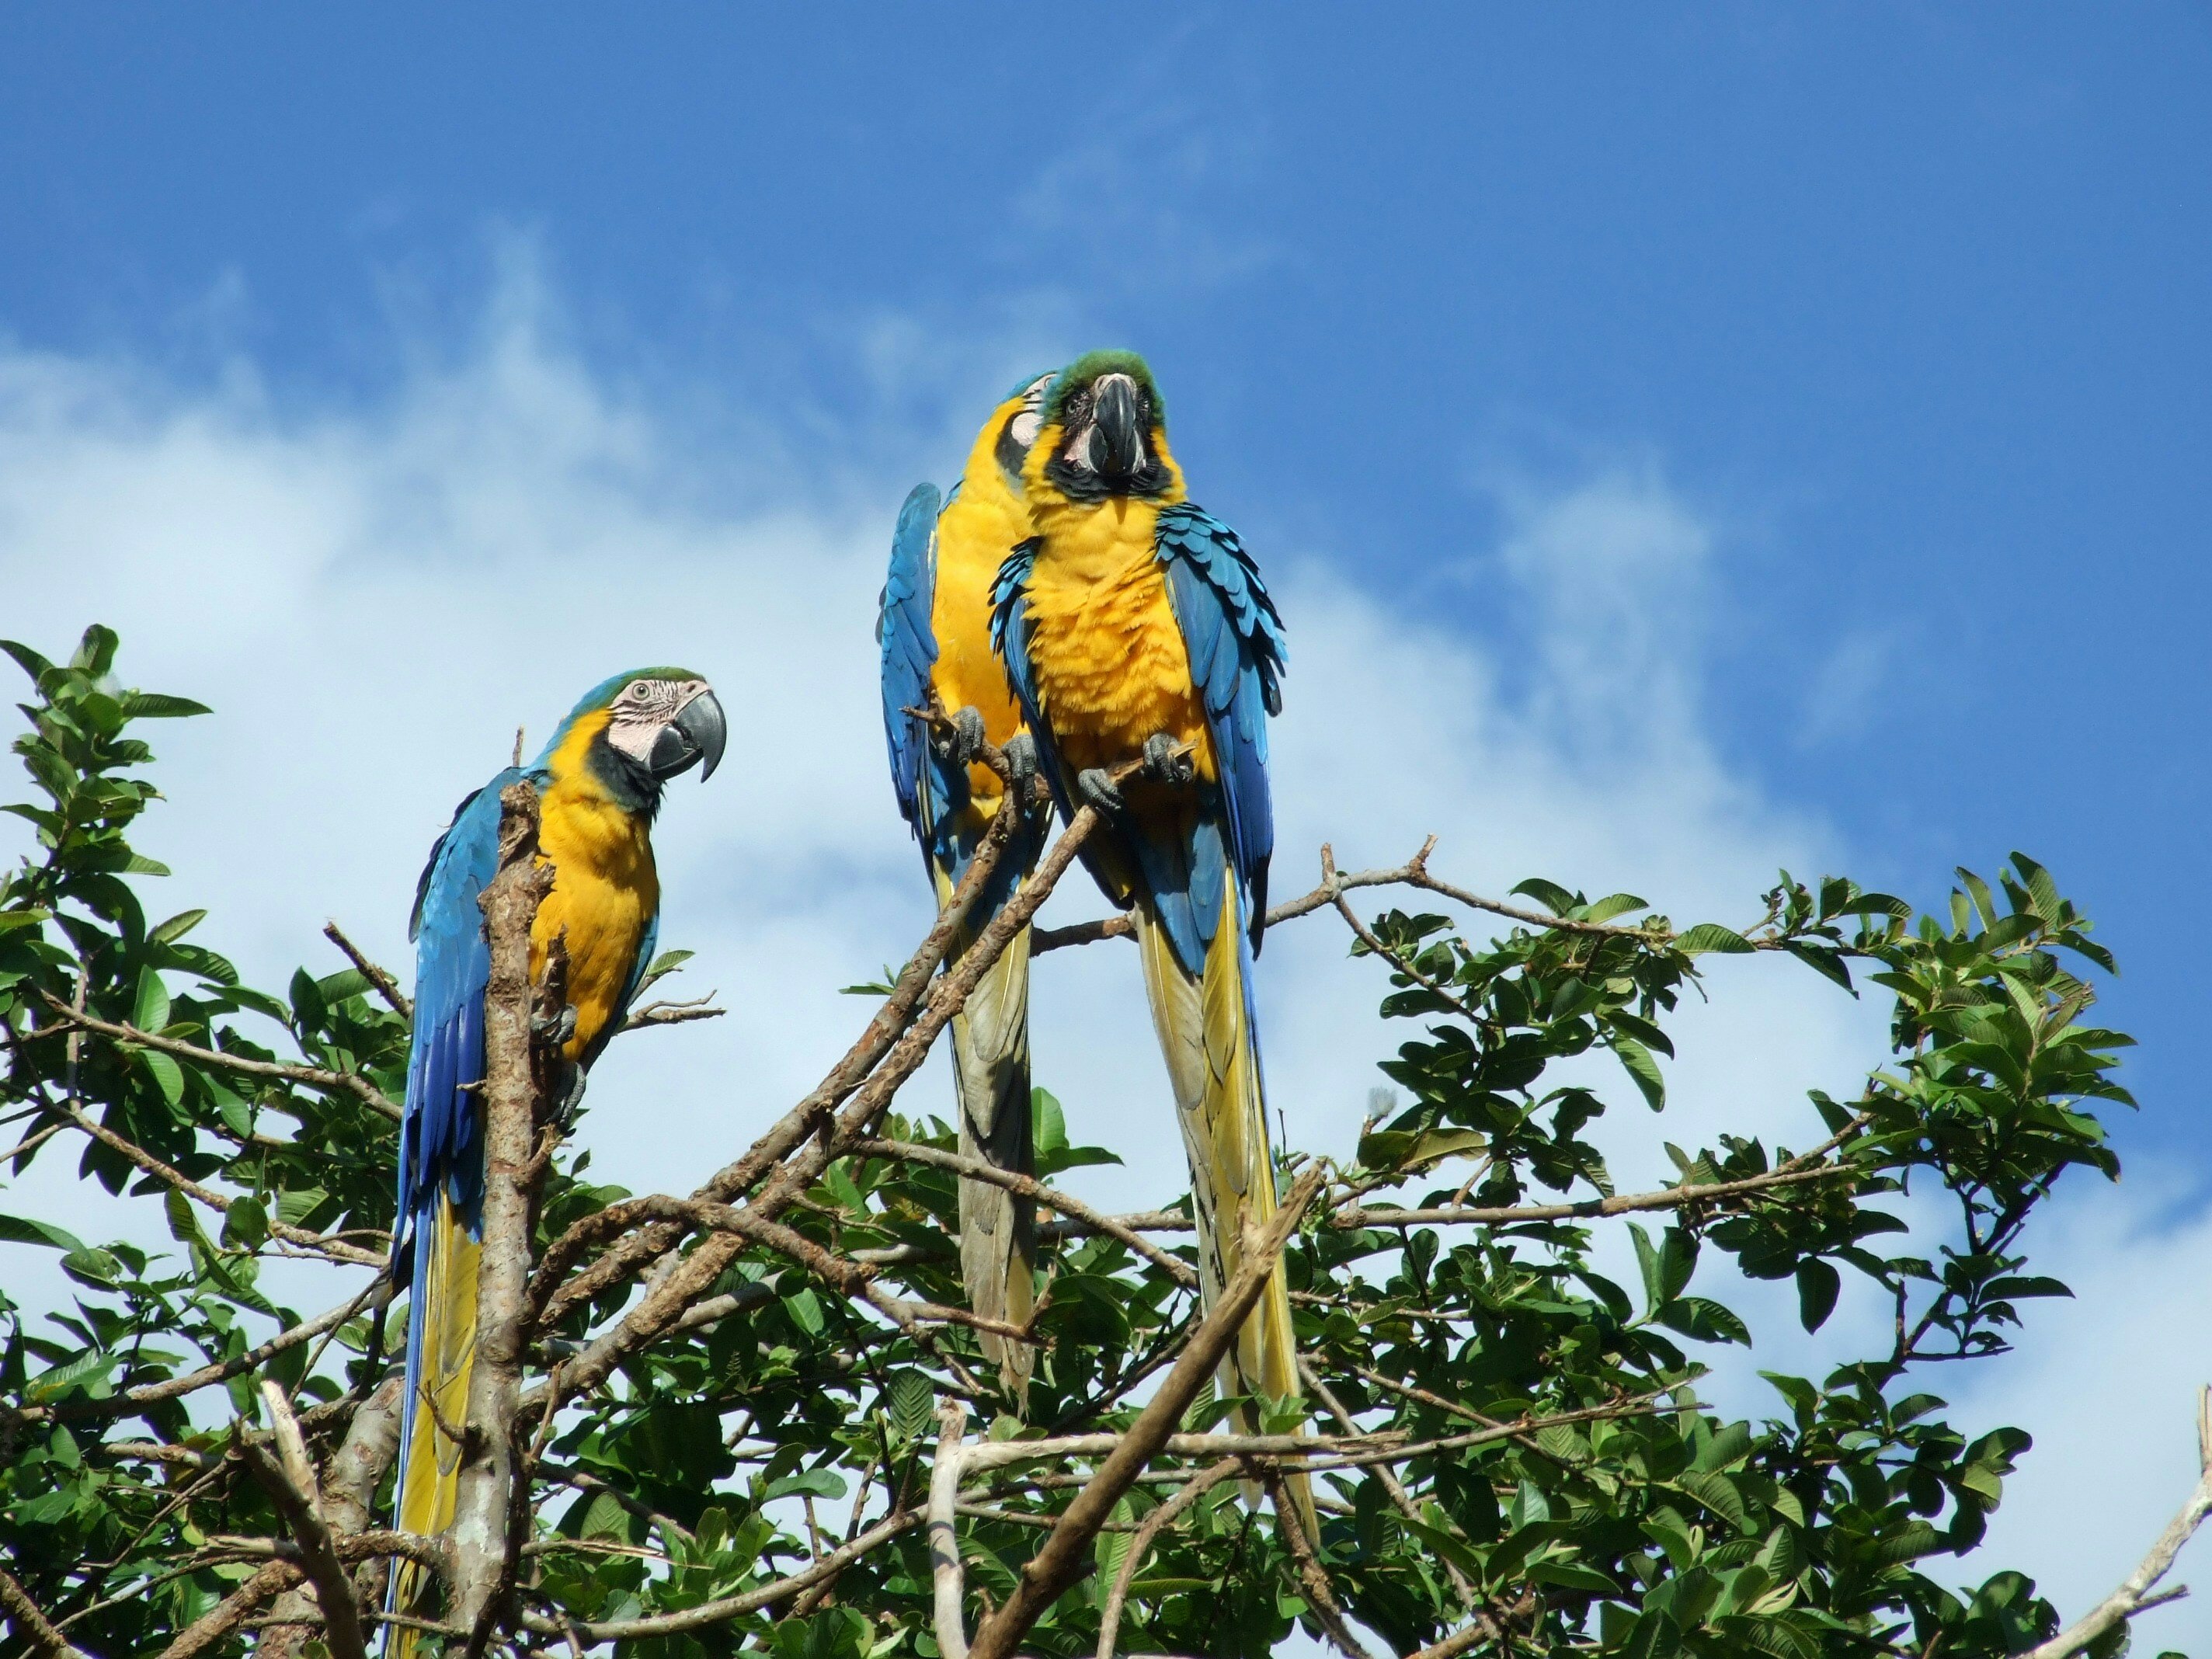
(642,708)
(1024,427)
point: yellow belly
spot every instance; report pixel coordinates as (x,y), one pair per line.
(605,891)
(1108,656)
(974,536)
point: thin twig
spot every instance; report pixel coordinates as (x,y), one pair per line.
(1066,1547)
(386,986)
(312,1077)
(1109,1621)
(2134,1591)
(1181,1272)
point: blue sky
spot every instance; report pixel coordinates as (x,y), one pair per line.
(1910,299)
(1685,439)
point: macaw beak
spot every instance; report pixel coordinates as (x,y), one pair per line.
(699,730)
(1121,429)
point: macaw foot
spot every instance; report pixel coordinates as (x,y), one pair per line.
(965,740)
(561,1027)
(1164,761)
(1021,763)
(1096,784)
(571,1104)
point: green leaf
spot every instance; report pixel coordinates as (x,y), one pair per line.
(309,1012)
(1047,1126)
(168,1076)
(805,1310)
(1549,894)
(22,1230)
(177,926)
(27,659)
(158,705)
(1818,1284)
(1709,936)
(913,1405)
(151,1011)
(1718,1493)
(1641,1069)
(816,1483)
(245,1224)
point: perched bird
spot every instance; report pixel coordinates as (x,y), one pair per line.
(1134,627)
(934,627)
(599,781)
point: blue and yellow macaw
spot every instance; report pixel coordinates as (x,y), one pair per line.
(599,781)
(1134,627)
(935,629)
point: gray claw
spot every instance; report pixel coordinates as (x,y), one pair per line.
(1021,760)
(572,1100)
(1096,784)
(561,1027)
(1164,762)
(966,739)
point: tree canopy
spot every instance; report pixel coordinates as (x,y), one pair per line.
(755,1417)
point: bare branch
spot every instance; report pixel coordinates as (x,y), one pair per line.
(40,1637)
(810,1139)
(311,1077)
(1181,1272)
(337,1249)
(1062,1558)
(386,986)
(735,1606)
(673,1014)
(290,1480)
(2134,1593)
(1109,1620)
(377,1294)
(949,1619)
(518,1063)
(1311,1575)
(1667,1198)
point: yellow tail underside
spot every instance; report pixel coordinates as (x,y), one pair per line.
(449,1316)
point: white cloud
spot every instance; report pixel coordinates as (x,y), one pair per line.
(372,599)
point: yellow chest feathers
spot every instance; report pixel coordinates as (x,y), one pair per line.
(605,888)
(1104,647)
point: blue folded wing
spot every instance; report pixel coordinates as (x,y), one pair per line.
(909,647)
(440,1137)
(1233,636)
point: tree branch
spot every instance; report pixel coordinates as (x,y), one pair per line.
(40,1637)
(1181,1272)
(1063,1558)
(518,1060)
(386,986)
(1110,1619)
(2134,1592)
(312,1077)
(292,1488)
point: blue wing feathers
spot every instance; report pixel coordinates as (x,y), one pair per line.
(909,644)
(1233,636)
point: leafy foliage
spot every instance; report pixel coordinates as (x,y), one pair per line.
(1575,1493)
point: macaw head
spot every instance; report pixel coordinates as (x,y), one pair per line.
(1015,423)
(1105,430)
(632,733)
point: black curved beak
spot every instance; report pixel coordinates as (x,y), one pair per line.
(1121,429)
(699,731)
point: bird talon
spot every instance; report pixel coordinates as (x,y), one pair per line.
(572,1100)
(965,741)
(1164,761)
(1096,784)
(560,1027)
(1021,755)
